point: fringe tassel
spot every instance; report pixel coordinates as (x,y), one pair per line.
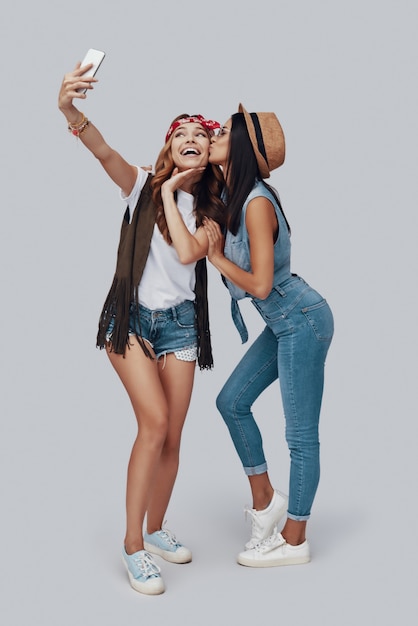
(117,308)
(205,357)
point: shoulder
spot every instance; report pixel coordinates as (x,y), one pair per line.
(141,179)
(259,196)
(258,191)
(261,210)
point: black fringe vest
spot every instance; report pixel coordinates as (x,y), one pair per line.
(133,250)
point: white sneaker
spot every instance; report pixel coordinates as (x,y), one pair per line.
(264,523)
(275,551)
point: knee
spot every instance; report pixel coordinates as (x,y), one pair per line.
(230,406)
(155,431)
(223,404)
(231,402)
(303,449)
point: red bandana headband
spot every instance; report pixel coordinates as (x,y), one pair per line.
(198,119)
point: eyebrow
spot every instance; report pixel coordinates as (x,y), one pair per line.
(197,126)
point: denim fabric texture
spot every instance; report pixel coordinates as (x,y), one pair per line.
(167,330)
(237,247)
(292,347)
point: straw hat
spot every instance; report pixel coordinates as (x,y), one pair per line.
(267,139)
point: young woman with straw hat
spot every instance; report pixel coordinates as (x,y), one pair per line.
(254,260)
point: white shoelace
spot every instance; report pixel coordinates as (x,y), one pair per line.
(146,565)
(168,536)
(270,543)
(256,524)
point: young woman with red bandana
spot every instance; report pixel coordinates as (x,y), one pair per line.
(148,323)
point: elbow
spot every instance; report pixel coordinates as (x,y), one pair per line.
(186,258)
(261,294)
(262,291)
(190,254)
(103,154)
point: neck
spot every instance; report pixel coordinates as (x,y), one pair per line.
(187,188)
(188,185)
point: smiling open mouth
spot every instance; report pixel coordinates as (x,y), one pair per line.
(190,151)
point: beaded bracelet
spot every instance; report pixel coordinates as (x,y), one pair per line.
(79,127)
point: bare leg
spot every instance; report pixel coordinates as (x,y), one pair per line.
(262,490)
(294,532)
(140,377)
(177,380)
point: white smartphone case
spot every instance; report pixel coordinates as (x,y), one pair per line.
(95,57)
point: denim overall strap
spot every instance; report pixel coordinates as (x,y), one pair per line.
(238,320)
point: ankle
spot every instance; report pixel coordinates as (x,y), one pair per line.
(262,499)
(262,491)
(133,546)
(293,540)
(294,533)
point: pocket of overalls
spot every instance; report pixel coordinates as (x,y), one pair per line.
(320,318)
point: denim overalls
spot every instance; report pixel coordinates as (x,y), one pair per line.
(292,348)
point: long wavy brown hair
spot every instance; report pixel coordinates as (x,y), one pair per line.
(206,191)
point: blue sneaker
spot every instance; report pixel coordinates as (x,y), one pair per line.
(144,573)
(164,543)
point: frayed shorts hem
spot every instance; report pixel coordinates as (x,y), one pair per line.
(188,353)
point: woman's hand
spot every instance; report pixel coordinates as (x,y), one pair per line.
(70,84)
(120,171)
(184,180)
(215,238)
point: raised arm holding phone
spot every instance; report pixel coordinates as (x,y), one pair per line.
(154,323)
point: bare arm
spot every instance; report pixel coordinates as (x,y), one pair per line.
(120,171)
(261,224)
(189,247)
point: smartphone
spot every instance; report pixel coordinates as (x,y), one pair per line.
(95,57)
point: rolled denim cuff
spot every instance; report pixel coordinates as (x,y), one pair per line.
(298,518)
(254,471)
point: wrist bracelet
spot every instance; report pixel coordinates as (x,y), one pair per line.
(79,127)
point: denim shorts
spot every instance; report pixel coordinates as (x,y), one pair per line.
(166,330)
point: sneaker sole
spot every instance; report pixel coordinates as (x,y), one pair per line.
(153,587)
(171,557)
(273,562)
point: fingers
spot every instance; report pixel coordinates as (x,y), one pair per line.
(212,228)
(178,179)
(215,239)
(186,174)
(74,83)
(85,68)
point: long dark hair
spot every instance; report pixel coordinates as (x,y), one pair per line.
(241,173)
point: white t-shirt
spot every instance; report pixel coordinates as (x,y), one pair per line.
(165,282)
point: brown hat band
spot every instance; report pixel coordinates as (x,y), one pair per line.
(267,139)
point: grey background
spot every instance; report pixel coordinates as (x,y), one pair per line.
(341,77)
